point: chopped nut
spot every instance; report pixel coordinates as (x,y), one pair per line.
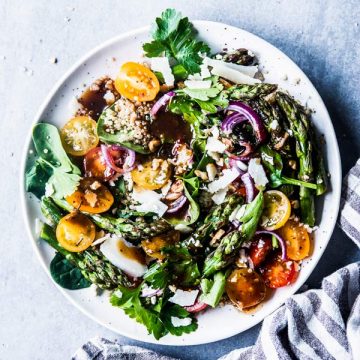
(95,185)
(211,171)
(201,174)
(217,237)
(154,144)
(91,198)
(292,164)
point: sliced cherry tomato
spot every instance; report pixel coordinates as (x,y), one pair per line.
(277,210)
(154,245)
(277,272)
(95,166)
(297,240)
(152,175)
(79,135)
(75,232)
(91,197)
(260,247)
(245,288)
(137,82)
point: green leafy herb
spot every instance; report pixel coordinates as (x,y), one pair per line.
(202,94)
(174,36)
(53,166)
(157,319)
(66,274)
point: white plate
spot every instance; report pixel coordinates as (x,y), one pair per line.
(223,322)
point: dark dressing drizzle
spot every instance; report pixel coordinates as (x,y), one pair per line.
(93,102)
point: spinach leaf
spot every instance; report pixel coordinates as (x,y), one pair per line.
(66,274)
(53,166)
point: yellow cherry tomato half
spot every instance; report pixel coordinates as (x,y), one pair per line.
(137,82)
(91,196)
(79,135)
(277,210)
(245,288)
(152,175)
(297,240)
(75,232)
(153,246)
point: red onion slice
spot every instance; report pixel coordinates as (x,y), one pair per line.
(161,102)
(250,188)
(177,205)
(244,112)
(197,307)
(128,163)
(230,121)
(151,292)
(279,238)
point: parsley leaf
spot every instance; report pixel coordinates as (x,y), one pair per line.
(156,318)
(175,37)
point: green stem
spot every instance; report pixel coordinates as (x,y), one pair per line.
(290,181)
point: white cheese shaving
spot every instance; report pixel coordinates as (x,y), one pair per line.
(180,322)
(241,165)
(229,175)
(214,145)
(184,298)
(233,75)
(198,84)
(183,228)
(112,251)
(274,124)
(257,172)
(204,73)
(161,64)
(149,201)
(246,70)
(219,197)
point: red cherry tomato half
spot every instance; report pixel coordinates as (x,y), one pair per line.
(278,273)
(259,249)
(95,166)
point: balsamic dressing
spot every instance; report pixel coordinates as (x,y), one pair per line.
(93,102)
(170,127)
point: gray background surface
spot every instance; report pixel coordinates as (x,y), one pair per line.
(322,37)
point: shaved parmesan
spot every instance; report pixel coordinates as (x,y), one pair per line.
(183,228)
(219,197)
(214,145)
(233,75)
(204,73)
(257,172)
(198,84)
(180,322)
(184,298)
(229,175)
(246,70)
(161,64)
(149,201)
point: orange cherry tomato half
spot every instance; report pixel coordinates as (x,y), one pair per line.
(245,288)
(91,196)
(137,82)
(75,232)
(278,273)
(79,135)
(95,166)
(297,240)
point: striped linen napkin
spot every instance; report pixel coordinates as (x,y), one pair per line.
(317,324)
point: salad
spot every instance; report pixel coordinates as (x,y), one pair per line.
(185,183)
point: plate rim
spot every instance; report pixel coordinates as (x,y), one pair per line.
(37,118)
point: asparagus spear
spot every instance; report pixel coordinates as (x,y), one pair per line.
(217,218)
(93,265)
(299,125)
(243,91)
(229,244)
(131,230)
